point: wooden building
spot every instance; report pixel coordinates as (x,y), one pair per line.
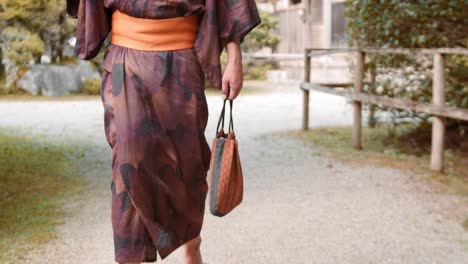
(322,26)
(326,27)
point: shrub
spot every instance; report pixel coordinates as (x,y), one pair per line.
(257,70)
(410,24)
(91,86)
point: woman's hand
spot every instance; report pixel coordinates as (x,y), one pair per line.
(232,76)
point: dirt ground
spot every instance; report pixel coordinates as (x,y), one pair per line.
(300,206)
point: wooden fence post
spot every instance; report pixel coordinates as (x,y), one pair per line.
(305,93)
(358,86)
(438,127)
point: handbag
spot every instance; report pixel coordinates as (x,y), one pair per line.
(225,177)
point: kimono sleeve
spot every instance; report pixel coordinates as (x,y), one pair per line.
(236,18)
(93,26)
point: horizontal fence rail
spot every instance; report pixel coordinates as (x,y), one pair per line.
(320,52)
(460,51)
(437,108)
(403,104)
(277,56)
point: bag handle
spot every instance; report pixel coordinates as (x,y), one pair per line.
(222,116)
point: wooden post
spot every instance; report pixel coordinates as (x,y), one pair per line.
(358,85)
(438,128)
(307,66)
(307,25)
(305,93)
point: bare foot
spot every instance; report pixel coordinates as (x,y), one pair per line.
(192,253)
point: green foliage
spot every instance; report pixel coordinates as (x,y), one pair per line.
(21,45)
(410,24)
(28,28)
(92,86)
(257,70)
(252,69)
(263,35)
(45,18)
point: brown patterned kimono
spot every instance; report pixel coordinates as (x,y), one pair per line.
(155,115)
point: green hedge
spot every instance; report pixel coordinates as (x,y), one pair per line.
(411,24)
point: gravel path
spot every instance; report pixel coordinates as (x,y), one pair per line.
(299,206)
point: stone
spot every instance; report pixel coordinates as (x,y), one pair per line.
(57,80)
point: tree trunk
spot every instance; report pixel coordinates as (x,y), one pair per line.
(37,58)
(53,52)
(10,77)
(59,53)
(61,46)
(53,58)
(2,67)
(371,120)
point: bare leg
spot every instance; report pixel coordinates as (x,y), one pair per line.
(191,251)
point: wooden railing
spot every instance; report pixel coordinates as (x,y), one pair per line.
(437,108)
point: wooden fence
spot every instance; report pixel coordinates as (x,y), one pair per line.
(437,108)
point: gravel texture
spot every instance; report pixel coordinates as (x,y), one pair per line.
(299,205)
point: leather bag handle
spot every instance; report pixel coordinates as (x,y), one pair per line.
(222,116)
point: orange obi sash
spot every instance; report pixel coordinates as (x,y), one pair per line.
(153,34)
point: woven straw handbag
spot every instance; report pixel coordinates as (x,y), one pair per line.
(225,176)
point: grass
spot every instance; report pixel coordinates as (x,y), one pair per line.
(35,178)
(246,90)
(397,147)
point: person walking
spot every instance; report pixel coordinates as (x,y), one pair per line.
(155,110)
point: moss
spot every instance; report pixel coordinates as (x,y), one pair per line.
(22,70)
(66,60)
(91,86)
(465,224)
(35,177)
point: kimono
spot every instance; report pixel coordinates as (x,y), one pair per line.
(155,116)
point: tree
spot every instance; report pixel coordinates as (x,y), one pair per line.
(264,34)
(20,46)
(30,27)
(47,18)
(407,24)
(61,28)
